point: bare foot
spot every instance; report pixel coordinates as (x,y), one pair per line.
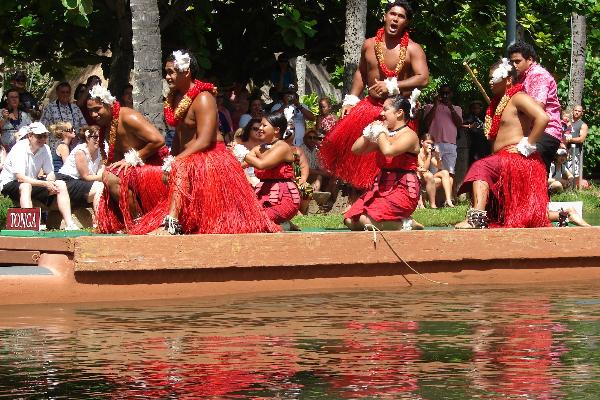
(575,218)
(449,204)
(464,225)
(160,231)
(417,226)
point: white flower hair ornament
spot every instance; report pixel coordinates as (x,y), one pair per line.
(99,92)
(289,113)
(182,61)
(502,71)
(414,96)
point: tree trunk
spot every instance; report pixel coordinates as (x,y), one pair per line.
(578,39)
(356,29)
(122,52)
(301,75)
(147,56)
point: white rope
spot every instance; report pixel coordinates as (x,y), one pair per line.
(375,229)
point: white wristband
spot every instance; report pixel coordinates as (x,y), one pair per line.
(350,100)
(240,152)
(525,148)
(166,167)
(373,130)
(392,86)
(132,158)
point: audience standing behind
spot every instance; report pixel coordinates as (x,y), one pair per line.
(575,139)
(12,119)
(62,110)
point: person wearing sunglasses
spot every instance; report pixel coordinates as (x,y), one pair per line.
(62,131)
(83,169)
(28,160)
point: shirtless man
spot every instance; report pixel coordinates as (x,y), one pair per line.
(132,179)
(390,64)
(514,174)
(208,190)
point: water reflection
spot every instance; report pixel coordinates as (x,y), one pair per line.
(538,343)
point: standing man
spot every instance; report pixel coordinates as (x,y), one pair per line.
(442,120)
(509,188)
(301,113)
(575,139)
(390,63)
(539,84)
(133,179)
(62,110)
(208,190)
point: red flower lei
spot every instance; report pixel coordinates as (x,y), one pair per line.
(496,107)
(112,136)
(174,117)
(403,41)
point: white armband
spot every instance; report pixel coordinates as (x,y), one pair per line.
(373,130)
(132,157)
(350,100)
(525,148)
(166,167)
(240,152)
(392,86)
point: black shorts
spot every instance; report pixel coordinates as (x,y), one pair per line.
(39,193)
(547,147)
(78,189)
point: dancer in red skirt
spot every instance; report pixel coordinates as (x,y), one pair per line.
(509,187)
(394,196)
(132,180)
(208,190)
(390,64)
(277,191)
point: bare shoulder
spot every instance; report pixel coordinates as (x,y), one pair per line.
(130,116)
(205,99)
(414,47)
(369,43)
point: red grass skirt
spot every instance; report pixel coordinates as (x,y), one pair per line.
(146,185)
(336,151)
(214,197)
(518,188)
(394,196)
(279,199)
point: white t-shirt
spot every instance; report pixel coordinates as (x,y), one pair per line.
(70,165)
(20,160)
(299,126)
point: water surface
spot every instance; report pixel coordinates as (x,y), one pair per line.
(532,342)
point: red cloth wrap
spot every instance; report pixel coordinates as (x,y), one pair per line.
(214,197)
(395,192)
(146,185)
(277,192)
(518,189)
(336,151)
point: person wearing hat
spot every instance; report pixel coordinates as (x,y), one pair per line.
(20,177)
(301,113)
(560,177)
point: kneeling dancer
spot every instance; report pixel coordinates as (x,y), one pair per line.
(395,194)
(133,179)
(208,190)
(509,187)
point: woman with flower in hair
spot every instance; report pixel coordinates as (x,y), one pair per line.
(273,161)
(394,196)
(208,190)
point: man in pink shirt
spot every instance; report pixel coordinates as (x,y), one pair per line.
(442,120)
(540,85)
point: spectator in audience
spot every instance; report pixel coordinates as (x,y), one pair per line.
(575,139)
(432,173)
(240,106)
(62,131)
(324,185)
(20,178)
(250,137)
(301,113)
(126,98)
(2,155)
(283,75)
(62,110)
(273,96)
(479,146)
(80,95)
(12,119)
(28,102)
(255,110)
(83,169)
(442,120)
(566,124)
(326,118)
(560,177)
(225,122)
(301,174)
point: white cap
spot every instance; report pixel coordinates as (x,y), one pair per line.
(37,128)
(22,132)
(561,152)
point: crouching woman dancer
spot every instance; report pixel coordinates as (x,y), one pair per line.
(394,195)
(273,162)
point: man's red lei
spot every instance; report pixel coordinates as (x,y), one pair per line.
(496,107)
(403,41)
(174,117)
(112,135)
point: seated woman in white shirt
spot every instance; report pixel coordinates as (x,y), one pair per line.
(82,171)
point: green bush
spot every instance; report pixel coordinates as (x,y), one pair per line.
(5,204)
